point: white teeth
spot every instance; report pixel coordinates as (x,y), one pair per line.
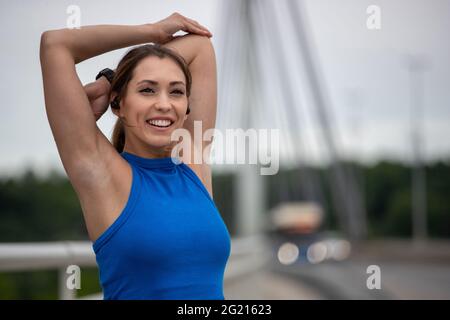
(160,123)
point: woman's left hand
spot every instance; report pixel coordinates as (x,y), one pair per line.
(98,94)
(165,28)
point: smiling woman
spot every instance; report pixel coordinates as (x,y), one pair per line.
(156,231)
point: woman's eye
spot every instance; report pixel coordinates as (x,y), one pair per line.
(178,92)
(148,90)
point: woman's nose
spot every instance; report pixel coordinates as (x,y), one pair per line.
(163,103)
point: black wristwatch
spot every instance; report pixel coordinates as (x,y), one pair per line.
(108,73)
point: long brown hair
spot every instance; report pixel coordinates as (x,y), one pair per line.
(124,73)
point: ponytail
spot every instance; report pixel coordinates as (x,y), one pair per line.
(118,136)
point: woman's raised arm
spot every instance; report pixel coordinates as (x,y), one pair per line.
(199,54)
(72,122)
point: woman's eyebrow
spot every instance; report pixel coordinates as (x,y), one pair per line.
(153,82)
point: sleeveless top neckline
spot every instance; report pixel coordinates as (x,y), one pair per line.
(151,163)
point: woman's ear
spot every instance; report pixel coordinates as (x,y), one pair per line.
(115,103)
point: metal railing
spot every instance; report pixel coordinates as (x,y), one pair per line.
(248,254)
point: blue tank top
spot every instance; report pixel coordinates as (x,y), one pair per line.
(169,242)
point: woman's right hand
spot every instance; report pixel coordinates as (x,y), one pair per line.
(165,28)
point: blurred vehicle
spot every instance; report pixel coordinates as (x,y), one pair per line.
(296,235)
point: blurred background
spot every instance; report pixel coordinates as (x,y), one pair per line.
(359,93)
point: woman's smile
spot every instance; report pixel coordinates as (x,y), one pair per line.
(160,124)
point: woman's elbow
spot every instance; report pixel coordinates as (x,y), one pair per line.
(51,39)
(47,39)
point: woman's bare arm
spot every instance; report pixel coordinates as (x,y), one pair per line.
(199,53)
(73,125)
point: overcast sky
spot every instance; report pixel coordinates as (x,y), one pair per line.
(365,71)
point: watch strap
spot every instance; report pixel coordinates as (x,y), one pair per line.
(107,73)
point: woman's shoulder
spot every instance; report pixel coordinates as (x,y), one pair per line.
(201,173)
